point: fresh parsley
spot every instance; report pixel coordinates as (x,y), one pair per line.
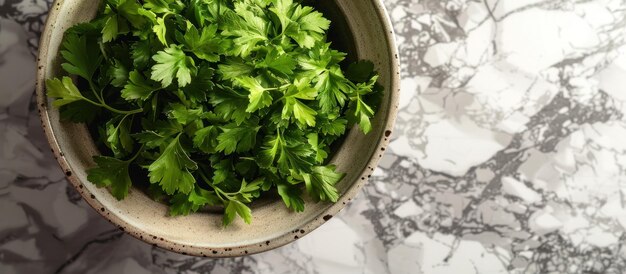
(213,102)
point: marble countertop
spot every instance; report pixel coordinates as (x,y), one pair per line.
(509,155)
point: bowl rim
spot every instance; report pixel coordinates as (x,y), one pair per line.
(240,250)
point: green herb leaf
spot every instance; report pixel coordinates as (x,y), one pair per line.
(173,63)
(200,85)
(259,96)
(64,90)
(293,106)
(332,125)
(82,55)
(164,6)
(234,68)
(205,139)
(205,44)
(138,88)
(184,115)
(302,24)
(246,29)
(111,172)
(289,152)
(359,112)
(119,73)
(230,105)
(172,170)
(236,138)
(141,53)
(129,10)
(158,133)
(234,208)
(320,183)
(321,150)
(291,196)
(183,204)
(118,135)
(111,29)
(280,63)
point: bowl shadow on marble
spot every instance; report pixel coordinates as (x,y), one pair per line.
(273,225)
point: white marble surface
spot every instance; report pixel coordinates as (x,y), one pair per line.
(509,155)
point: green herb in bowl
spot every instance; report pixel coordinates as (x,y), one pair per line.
(213,102)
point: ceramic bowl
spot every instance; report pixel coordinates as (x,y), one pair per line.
(363,22)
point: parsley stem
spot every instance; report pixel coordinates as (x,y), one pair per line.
(277,88)
(93,90)
(124,112)
(103,51)
(136,154)
(218,191)
(104,104)
(134,111)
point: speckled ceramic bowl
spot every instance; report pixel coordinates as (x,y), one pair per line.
(360,27)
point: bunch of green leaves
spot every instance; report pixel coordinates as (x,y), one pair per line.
(213,102)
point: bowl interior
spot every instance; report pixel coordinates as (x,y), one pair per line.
(360,28)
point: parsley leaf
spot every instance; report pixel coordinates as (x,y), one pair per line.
(111,172)
(289,152)
(172,169)
(173,63)
(160,29)
(233,208)
(359,112)
(82,55)
(259,96)
(236,138)
(157,133)
(141,53)
(130,11)
(322,64)
(111,28)
(330,124)
(308,27)
(321,150)
(200,85)
(234,68)
(205,139)
(230,105)
(320,183)
(164,6)
(183,204)
(246,29)
(280,63)
(119,73)
(64,90)
(204,44)
(291,197)
(138,88)
(302,24)
(118,135)
(184,115)
(222,171)
(293,106)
